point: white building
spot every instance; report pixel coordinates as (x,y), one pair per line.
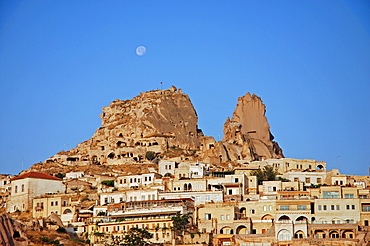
(306,177)
(128,195)
(74,175)
(30,185)
(135,181)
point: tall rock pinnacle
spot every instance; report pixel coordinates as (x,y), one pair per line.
(249,126)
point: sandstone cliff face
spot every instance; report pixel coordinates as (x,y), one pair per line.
(246,137)
(153,121)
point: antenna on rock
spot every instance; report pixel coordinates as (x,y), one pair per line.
(161,85)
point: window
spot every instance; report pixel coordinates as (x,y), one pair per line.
(124,181)
(264,208)
(222,217)
(228,217)
(319,207)
(208,216)
(22,187)
(52,204)
(324,207)
(15,189)
(252,211)
(302,207)
(348,196)
(366,207)
(338,207)
(332,207)
(296,179)
(208,197)
(347,207)
(353,206)
(285,207)
(270,208)
(319,180)
(308,180)
(331,194)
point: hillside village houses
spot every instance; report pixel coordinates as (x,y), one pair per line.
(305,205)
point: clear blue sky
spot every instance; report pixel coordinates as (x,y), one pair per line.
(309,61)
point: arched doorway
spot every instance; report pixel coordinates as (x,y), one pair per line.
(334,234)
(299,234)
(348,234)
(226,230)
(284,219)
(242,230)
(301,220)
(320,234)
(243,211)
(268,217)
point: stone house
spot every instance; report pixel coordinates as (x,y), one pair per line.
(222,218)
(60,205)
(128,195)
(27,186)
(155,216)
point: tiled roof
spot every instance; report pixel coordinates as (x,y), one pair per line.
(36,175)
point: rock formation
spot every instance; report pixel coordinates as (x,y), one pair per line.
(165,122)
(11,232)
(153,121)
(247,135)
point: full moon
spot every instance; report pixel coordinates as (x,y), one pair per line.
(140,51)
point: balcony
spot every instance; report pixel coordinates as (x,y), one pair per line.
(39,208)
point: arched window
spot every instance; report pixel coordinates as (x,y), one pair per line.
(284,235)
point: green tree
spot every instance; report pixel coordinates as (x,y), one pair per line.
(109,183)
(150,155)
(266,174)
(60,175)
(180,222)
(137,237)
